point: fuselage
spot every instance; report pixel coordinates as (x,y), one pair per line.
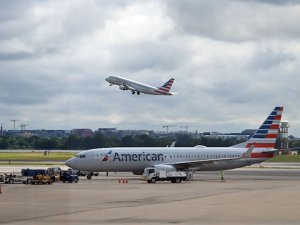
(136,159)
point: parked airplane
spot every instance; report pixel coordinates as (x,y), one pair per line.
(257,149)
(137,87)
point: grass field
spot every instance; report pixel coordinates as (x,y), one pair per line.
(35,156)
(285,158)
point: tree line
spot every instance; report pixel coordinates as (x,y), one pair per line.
(75,142)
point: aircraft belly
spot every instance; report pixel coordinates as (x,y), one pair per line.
(227,165)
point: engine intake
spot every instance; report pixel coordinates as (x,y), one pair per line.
(122,87)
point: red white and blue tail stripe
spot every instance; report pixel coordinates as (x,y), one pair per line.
(165,89)
(266,135)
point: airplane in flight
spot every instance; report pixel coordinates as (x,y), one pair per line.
(257,149)
(137,87)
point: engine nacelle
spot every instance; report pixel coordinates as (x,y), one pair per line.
(138,172)
(122,87)
(164,167)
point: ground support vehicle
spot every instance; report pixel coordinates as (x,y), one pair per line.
(54,173)
(68,176)
(41,179)
(2,177)
(152,174)
(15,179)
(31,173)
(88,175)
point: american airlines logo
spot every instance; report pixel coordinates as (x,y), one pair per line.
(141,157)
(106,157)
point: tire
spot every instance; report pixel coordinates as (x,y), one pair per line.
(153,180)
(177,180)
(29,181)
(11,181)
(75,180)
(89,177)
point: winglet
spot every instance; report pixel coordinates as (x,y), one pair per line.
(173,144)
(247,154)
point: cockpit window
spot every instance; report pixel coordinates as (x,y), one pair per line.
(80,156)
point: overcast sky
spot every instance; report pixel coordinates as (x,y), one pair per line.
(233,62)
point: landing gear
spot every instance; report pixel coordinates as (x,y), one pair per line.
(153,180)
(138,93)
(133,92)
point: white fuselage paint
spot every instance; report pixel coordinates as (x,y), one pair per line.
(136,159)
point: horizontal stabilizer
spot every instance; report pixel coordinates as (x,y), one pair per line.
(247,154)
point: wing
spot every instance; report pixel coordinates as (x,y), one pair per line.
(200,163)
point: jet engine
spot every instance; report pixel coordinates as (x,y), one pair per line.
(122,87)
(138,172)
(164,167)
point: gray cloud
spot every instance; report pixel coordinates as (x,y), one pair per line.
(236,21)
(264,59)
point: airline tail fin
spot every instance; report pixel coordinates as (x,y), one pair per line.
(265,136)
(167,86)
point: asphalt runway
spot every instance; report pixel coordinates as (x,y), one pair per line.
(249,196)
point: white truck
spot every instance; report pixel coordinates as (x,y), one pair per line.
(152,174)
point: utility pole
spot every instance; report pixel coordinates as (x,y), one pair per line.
(14,121)
(1,131)
(167,127)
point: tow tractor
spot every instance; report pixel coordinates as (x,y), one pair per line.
(41,179)
(68,176)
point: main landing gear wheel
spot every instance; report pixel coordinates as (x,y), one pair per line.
(133,92)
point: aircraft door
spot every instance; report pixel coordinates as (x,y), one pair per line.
(170,158)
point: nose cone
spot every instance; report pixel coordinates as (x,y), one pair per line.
(71,163)
(107,79)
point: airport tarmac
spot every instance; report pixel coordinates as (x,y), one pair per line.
(249,196)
